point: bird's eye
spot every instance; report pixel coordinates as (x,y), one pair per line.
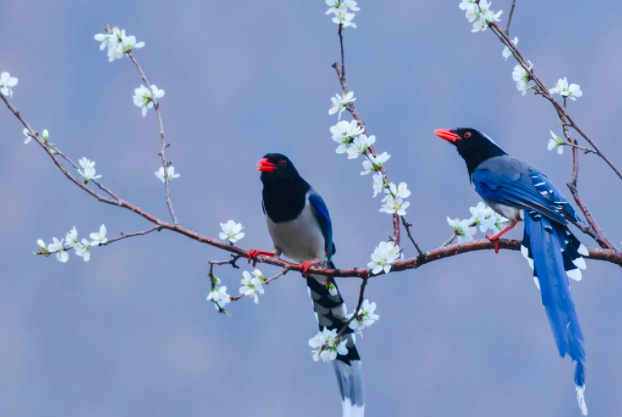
(467,135)
(283,162)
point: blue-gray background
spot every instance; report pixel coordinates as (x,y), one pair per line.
(130,332)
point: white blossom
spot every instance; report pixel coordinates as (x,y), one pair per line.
(252,284)
(45,135)
(365,317)
(572,92)
(7,83)
(83,249)
(521,77)
(108,40)
(71,237)
(41,244)
(340,103)
(129,42)
(374,163)
(486,218)
(506,51)
(57,246)
(99,237)
(88,170)
(116,52)
(468,5)
(344,133)
(344,19)
(360,145)
(480,14)
(400,191)
(378,183)
(463,229)
(327,345)
(385,254)
(170,173)
(219,296)
(556,142)
(232,231)
(332,289)
(336,6)
(394,205)
(26,133)
(144,98)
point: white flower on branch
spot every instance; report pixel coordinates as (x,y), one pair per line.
(506,51)
(385,254)
(144,98)
(7,83)
(463,229)
(219,297)
(378,183)
(327,345)
(170,173)
(57,247)
(88,170)
(71,237)
(480,14)
(344,19)
(116,52)
(99,237)
(45,135)
(26,133)
(400,191)
(332,289)
(232,231)
(252,284)
(374,163)
(108,40)
(556,142)
(41,244)
(344,133)
(468,5)
(129,42)
(336,6)
(83,249)
(394,205)
(340,103)
(521,77)
(365,317)
(360,145)
(486,218)
(562,88)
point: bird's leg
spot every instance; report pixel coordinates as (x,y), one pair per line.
(253,253)
(495,238)
(306,265)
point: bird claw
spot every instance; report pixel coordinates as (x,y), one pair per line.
(253,253)
(306,265)
(495,240)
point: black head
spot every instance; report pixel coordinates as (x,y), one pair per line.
(284,190)
(473,146)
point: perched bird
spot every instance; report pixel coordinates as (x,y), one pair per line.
(519,191)
(301,229)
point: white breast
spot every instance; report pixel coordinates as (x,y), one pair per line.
(510,213)
(300,239)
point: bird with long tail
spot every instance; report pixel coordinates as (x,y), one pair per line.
(301,229)
(520,192)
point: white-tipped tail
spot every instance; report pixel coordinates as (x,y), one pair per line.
(581,399)
(350,377)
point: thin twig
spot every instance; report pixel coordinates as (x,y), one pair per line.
(407,226)
(507,28)
(165,164)
(346,324)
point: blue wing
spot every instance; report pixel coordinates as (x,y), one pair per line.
(515,183)
(321,212)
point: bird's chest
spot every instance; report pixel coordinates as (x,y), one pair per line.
(509,212)
(300,239)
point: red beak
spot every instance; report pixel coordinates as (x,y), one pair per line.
(265,165)
(447,134)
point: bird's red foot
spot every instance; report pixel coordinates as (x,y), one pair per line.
(306,265)
(494,239)
(253,253)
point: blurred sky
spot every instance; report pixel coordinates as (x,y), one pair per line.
(130,332)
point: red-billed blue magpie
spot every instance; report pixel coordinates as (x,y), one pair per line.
(519,191)
(301,229)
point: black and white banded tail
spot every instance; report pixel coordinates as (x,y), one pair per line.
(330,312)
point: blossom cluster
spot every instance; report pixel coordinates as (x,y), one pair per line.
(383,257)
(482,216)
(219,296)
(364,318)
(327,345)
(339,8)
(118,43)
(82,248)
(479,13)
(252,284)
(88,170)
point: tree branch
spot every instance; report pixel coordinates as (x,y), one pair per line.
(507,28)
